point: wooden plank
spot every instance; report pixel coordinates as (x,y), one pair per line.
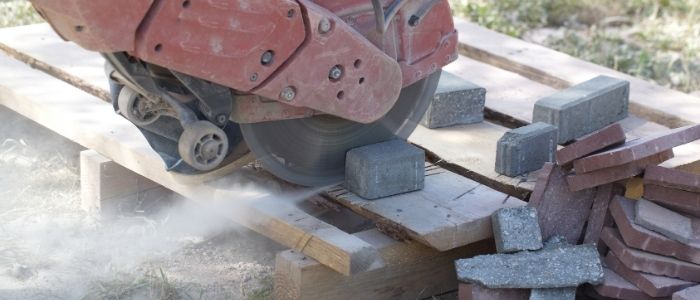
(510,94)
(92,123)
(413,271)
(650,101)
(514,95)
(470,150)
(450,212)
(42,43)
(105,184)
(507,93)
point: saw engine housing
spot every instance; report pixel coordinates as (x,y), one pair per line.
(231,62)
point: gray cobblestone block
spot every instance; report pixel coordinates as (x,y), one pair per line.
(526,149)
(585,108)
(384,169)
(548,268)
(553,294)
(456,102)
(516,229)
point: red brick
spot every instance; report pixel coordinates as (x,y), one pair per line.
(599,213)
(622,210)
(672,178)
(652,285)
(616,287)
(581,181)
(664,221)
(560,211)
(638,149)
(599,140)
(646,262)
(678,200)
(472,291)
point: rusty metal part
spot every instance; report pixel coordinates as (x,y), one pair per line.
(280,49)
(430,44)
(254,109)
(370,83)
(222,41)
(420,47)
(97,25)
(385,17)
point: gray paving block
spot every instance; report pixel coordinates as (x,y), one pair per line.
(664,221)
(384,169)
(526,149)
(691,293)
(456,102)
(516,229)
(585,108)
(553,294)
(548,268)
(555,242)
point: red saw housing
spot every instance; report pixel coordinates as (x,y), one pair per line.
(337,57)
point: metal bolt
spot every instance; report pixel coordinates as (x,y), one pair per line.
(414,20)
(267,57)
(254,77)
(288,93)
(324,26)
(221,119)
(335,73)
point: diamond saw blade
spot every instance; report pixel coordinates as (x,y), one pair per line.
(311,151)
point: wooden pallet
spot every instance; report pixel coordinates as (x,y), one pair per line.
(321,251)
(91,123)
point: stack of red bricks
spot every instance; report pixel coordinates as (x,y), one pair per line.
(651,246)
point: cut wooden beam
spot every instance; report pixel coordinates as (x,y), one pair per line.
(661,105)
(105,185)
(450,212)
(92,123)
(413,271)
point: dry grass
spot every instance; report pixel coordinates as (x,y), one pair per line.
(658,40)
(17,12)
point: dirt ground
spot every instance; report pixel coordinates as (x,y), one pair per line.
(51,249)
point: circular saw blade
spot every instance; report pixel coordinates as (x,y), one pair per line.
(311,151)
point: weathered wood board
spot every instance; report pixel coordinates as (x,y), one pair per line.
(650,101)
(450,212)
(470,150)
(413,271)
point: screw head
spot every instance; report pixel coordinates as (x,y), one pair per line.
(414,20)
(324,26)
(221,119)
(267,57)
(254,77)
(288,93)
(335,73)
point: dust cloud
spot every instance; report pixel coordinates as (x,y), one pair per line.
(160,248)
